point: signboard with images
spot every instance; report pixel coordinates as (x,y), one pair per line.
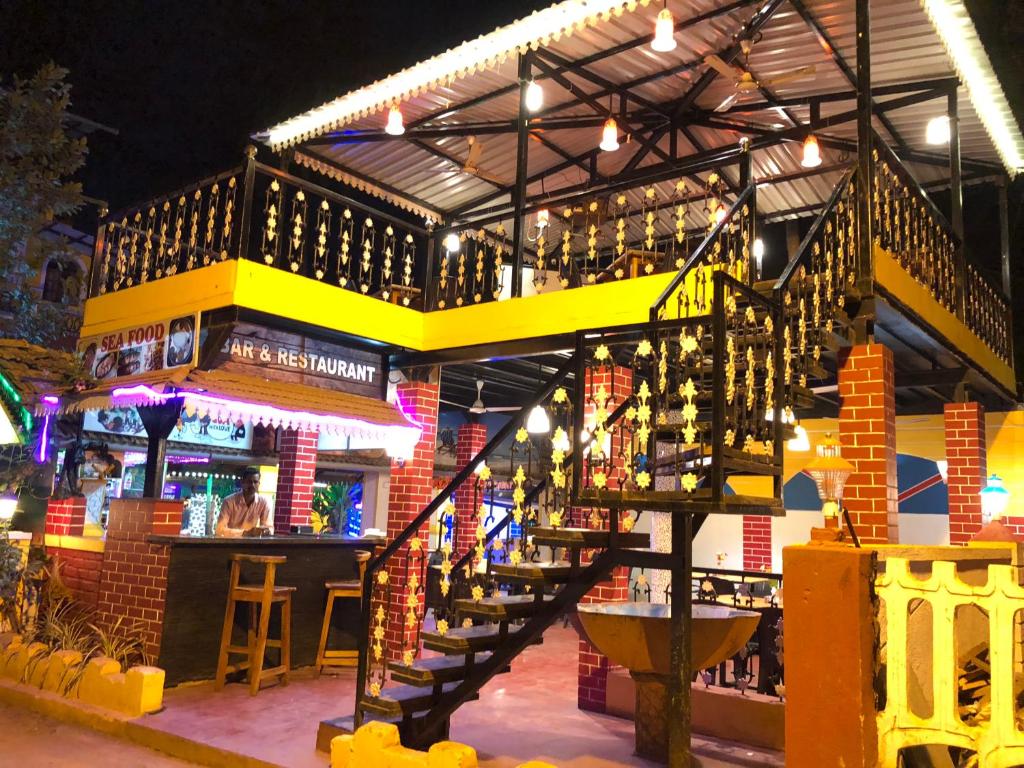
(144,348)
(292,357)
(194,429)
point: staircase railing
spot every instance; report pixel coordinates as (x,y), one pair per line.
(814,287)
(404,562)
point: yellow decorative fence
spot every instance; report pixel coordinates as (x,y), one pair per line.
(993,734)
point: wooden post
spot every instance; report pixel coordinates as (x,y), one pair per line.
(865,163)
(746,179)
(680,643)
(519,191)
(159,420)
(245,222)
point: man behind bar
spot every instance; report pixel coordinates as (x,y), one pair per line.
(244,510)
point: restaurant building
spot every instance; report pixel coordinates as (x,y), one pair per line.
(613,284)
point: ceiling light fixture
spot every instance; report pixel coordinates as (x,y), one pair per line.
(812,153)
(610,135)
(937,131)
(534,96)
(395,126)
(451,242)
(664,31)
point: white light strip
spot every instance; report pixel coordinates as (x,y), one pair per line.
(960,38)
(485,52)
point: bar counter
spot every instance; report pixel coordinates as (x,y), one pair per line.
(197,589)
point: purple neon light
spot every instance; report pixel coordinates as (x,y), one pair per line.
(402,437)
(42,450)
(51,399)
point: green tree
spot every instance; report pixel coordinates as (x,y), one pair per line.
(38,158)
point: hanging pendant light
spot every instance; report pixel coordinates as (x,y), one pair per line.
(534,96)
(538,423)
(758,255)
(994,499)
(395,126)
(542,218)
(610,135)
(812,153)
(937,130)
(664,31)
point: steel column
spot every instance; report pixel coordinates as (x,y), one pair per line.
(1004,239)
(680,643)
(248,182)
(747,179)
(519,191)
(865,163)
(956,198)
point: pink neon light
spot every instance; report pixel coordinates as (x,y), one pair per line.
(51,399)
(404,437)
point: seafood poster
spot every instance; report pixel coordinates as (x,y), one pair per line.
(144,348)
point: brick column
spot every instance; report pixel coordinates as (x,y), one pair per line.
(757,543)
(592,674)
(65,517)
(80,569)
(411,490)
(295,472)
(472,438)
(966,456)
(133,582)
(867,432)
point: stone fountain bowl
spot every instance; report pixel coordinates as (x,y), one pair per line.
(636,635)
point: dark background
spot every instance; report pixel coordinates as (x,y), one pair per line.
(185,83)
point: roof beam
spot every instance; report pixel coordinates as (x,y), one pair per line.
(941,84)
(459,164)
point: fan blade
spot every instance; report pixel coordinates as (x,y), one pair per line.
(717,63)
(504,408)
(476,149)
(727,102)
(796,74)
(482,174)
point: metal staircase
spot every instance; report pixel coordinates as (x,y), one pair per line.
(715,377)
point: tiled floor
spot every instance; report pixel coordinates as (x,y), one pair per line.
(527,714)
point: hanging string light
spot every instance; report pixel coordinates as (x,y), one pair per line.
(395,125)
(664,31)
(812,153)
(610,135)
(534,96)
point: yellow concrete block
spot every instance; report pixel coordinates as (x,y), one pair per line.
(451,754)
(143,690)
(370,740)
(24,654)
(341,751)
(402,757)
(37,668)
(8,654)
(95,687)
(60,670)
(536,764)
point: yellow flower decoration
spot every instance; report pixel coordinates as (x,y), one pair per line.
(643,480)
(644,348)
(628,522)
(498,545)
(407,658)
(560,396)
(375,689)
(442,627)
(382,577)
(555,519)
(601,353)
(378,633)
(478,593)
(415,544)
(484,473)
(515,557)
(467,623)
(522,435)
(641,580)
(600,479)
(689,482)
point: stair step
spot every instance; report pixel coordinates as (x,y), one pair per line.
(670,432)
(403,700)
(697,503)
(533,573)
(469,639)
(435,670)
(346,726)
(502,608)
(586,538)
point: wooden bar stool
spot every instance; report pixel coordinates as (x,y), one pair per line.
(352,588)
(260,599)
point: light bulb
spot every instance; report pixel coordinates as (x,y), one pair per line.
(720,214)
(394,126)
(994,499)
(937,131)
(7,508)
(758,254)
(664,32)
(812,153)
(542,218)
(610,135)
(801,442)
(538,422)
(534,96)
(451,242)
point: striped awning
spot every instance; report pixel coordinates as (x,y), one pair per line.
(231,396)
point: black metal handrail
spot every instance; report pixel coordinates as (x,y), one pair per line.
(701,253)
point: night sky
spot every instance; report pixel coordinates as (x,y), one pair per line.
(186,83)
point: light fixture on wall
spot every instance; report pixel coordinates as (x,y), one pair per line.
(812,152)
(664,31)
(937,131)
(451,242)
(994,499)
(830,471)
(610,135)
(534,96)
(395,125)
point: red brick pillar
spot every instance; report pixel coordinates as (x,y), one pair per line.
(472,438)
(757,543)
(133,582)
(411,491)
(968,468)
(65,517)
(592,679)
(867,432)
(295,472)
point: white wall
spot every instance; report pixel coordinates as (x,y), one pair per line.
(924,529)
(720,533)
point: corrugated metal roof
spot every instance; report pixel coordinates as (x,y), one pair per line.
(905,48)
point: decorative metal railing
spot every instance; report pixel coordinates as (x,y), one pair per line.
(261,213)
(910,226)
(975,691)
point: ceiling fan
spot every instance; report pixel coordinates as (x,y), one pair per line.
(742,78)
(472,167)
(478,406)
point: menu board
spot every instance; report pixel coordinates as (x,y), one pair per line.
(194,428)
(141,349)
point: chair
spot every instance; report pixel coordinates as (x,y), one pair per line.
(352,588)
(261,598)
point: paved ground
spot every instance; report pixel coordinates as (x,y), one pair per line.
(32,740)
